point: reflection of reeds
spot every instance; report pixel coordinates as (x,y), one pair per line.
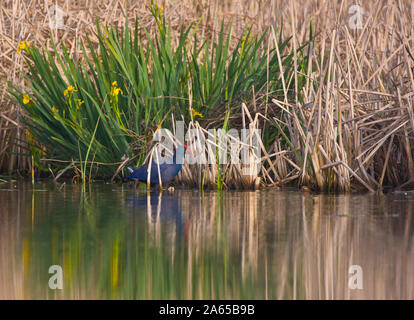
(254,245)
(14,253)
(349,236)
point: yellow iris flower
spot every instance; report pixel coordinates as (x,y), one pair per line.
(115,90)
(23,45)
(79,101)
(196,113)
(27,99)
(69,90)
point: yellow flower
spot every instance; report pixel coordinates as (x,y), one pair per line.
(243,41)
(29,135)
(55,113)
(115,84)
(23,45)
(27,99)
(117,91)
(196,113)
(79,101)
(69,90)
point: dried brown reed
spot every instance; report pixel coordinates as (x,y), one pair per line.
(357,129)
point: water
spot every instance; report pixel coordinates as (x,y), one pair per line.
(114,242)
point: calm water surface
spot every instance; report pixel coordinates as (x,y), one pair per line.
(114,242)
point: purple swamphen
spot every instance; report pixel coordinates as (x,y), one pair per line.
(168,170)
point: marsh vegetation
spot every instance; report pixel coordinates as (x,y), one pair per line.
(333,103)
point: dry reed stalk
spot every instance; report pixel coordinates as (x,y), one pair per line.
(349,128)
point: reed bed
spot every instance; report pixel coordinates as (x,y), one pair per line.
(337,116)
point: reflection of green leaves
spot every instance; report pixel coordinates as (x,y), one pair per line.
(110,251)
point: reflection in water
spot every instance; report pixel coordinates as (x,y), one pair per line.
(115,243)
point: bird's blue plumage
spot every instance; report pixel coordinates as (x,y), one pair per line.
(168,170)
